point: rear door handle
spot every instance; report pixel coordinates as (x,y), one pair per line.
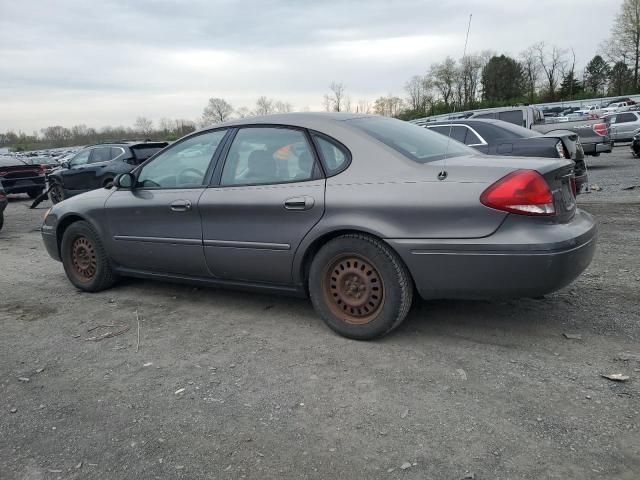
(181,206)
(299,203)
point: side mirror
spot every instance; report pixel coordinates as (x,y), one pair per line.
(125,181)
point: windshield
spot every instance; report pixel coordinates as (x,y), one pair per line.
(414,142)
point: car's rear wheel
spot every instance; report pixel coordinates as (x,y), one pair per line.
(56,193)
(85,260)
(360,287)
(35,193)
(1,220)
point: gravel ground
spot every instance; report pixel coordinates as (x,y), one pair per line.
(235,385)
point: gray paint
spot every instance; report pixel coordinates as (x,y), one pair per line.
(245,235)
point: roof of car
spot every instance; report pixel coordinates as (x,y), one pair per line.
(301,119)
(128,143)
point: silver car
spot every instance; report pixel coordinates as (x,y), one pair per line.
(357,212)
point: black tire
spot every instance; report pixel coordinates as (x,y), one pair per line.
(56,192)
(1,220)
(85,260)
(360,287)
(34,193)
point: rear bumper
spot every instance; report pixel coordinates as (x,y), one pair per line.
(522,259)
(23,185)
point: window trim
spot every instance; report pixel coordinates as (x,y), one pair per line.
(315,134)
(207,174)
(483,142)
(120,154)
(216,180)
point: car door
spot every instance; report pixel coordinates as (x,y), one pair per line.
(71,176)
(156,225)
(624,126)
(267,195)
(88,176)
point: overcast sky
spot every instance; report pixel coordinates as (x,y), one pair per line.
(105,63)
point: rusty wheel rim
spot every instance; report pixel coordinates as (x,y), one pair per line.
(83,259)
(353,289)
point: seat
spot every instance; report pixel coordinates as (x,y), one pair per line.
(261,168)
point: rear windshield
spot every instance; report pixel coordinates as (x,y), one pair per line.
(509,130)
(142,152)
(414,142)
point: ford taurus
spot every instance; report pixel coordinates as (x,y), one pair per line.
(357,212)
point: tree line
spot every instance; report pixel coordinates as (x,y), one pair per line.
(541,73)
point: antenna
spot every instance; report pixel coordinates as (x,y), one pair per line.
(443,174)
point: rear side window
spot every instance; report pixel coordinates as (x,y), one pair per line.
(116,152)
(100,154)
(142,152)
(512,116)
(457,132)
(334,156)
(414,142)
(486,115)
(626,117)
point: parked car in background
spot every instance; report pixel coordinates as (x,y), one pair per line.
(17,176)
(97,165)
(46,163)
(593,137)
(356,211)
(635,145)
(3,205)
(495,137)
(623,126)
(595,110)
(616,107)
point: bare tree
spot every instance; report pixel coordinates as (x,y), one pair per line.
(531,71)
(552,64)
(282,107)
(418,95)
(264,106)
(389,106)
(218,110)
(335,101)
(470,72)
(243,112)
(363,106)
(444,76)
(143,126)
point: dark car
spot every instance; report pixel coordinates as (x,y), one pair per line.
(495,137)
(3,205)
(45,162)
(97,165)
(356,211)
(18,176)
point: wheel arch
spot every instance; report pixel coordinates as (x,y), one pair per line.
(64,223)
(303,264)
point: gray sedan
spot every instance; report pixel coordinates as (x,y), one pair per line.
(355,211)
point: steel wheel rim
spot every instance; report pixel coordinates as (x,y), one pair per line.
(83,259)
(56,193)
(353,289)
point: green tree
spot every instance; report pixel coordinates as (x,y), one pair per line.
(620,79)
(502,79)
(570,86)
(597,74)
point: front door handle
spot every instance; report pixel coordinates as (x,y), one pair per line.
(181,206)
(299,203)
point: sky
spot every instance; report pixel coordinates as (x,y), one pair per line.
(102,63)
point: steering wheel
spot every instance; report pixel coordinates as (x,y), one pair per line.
(190,170)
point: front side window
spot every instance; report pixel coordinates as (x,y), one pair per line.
(268,155)
(184,165)
(335,156)
(457,132)
(414,142)
(81,158)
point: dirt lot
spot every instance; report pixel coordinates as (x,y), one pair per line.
(491,389)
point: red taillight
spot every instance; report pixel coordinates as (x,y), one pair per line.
(600,129)
(43,169)
(524,192)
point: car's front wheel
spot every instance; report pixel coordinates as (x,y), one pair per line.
(360,287)
(85,260)
(56,192)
